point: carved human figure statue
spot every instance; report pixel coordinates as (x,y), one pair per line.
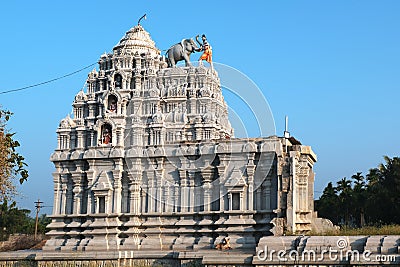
(106,137)
(113,106)
(206,48)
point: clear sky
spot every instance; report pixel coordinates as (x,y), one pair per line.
(331,66)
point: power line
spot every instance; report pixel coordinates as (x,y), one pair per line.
(49,81)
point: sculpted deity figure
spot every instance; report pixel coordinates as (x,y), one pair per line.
(106,137)
(206,48)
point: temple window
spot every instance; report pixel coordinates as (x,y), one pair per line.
(78,112)
(153,108)
(102,204)
(118,80)
(235,201)
(170,136)
(156,137)
(207,134)
(106,134)
(112,103)
(64,142)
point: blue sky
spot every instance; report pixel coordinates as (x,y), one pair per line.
(331,66)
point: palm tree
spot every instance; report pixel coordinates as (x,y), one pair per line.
(327,204)
(345,193)
(359,197)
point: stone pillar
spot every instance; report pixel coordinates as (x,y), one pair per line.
(267,193)
(77,201)
(177,198)
(59,141)
(123,107)
(92,139)
(168,198)
(57,193)
(191,194)
(123,84)
(116,203)
(250,169)
(229,196)
(68,141)
(292,198)
(184,190)
(160,198)
(206,173)
(221,174)
(199,131)
(241,201)
(144,196)
(151,191)
(80,139)
(134,200)
(118,138)
(64,188)
(69,201)
(91,200)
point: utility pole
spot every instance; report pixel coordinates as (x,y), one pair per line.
(37,206)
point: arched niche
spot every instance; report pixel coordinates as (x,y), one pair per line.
(112,102)
(118,80)
(106,134)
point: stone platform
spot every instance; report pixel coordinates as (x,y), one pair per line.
(271,251)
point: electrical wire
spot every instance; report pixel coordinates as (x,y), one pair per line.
(49,81)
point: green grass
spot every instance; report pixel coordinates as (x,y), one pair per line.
(366,230)
(371,230)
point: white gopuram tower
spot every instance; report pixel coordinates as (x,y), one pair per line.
(149,162)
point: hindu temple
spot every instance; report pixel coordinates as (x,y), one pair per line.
(149,161)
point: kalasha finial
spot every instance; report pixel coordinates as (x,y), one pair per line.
(142,17)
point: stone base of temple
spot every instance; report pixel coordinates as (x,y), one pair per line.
(183,232)
(270,251)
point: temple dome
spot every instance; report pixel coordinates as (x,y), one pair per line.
(137,39)
(67,122)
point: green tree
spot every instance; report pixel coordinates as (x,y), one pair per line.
(384,192)
(14,220)
(345,192)
(327,205)
(12,164)
(359,198)
(373,199)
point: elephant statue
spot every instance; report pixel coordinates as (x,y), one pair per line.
(181,51)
